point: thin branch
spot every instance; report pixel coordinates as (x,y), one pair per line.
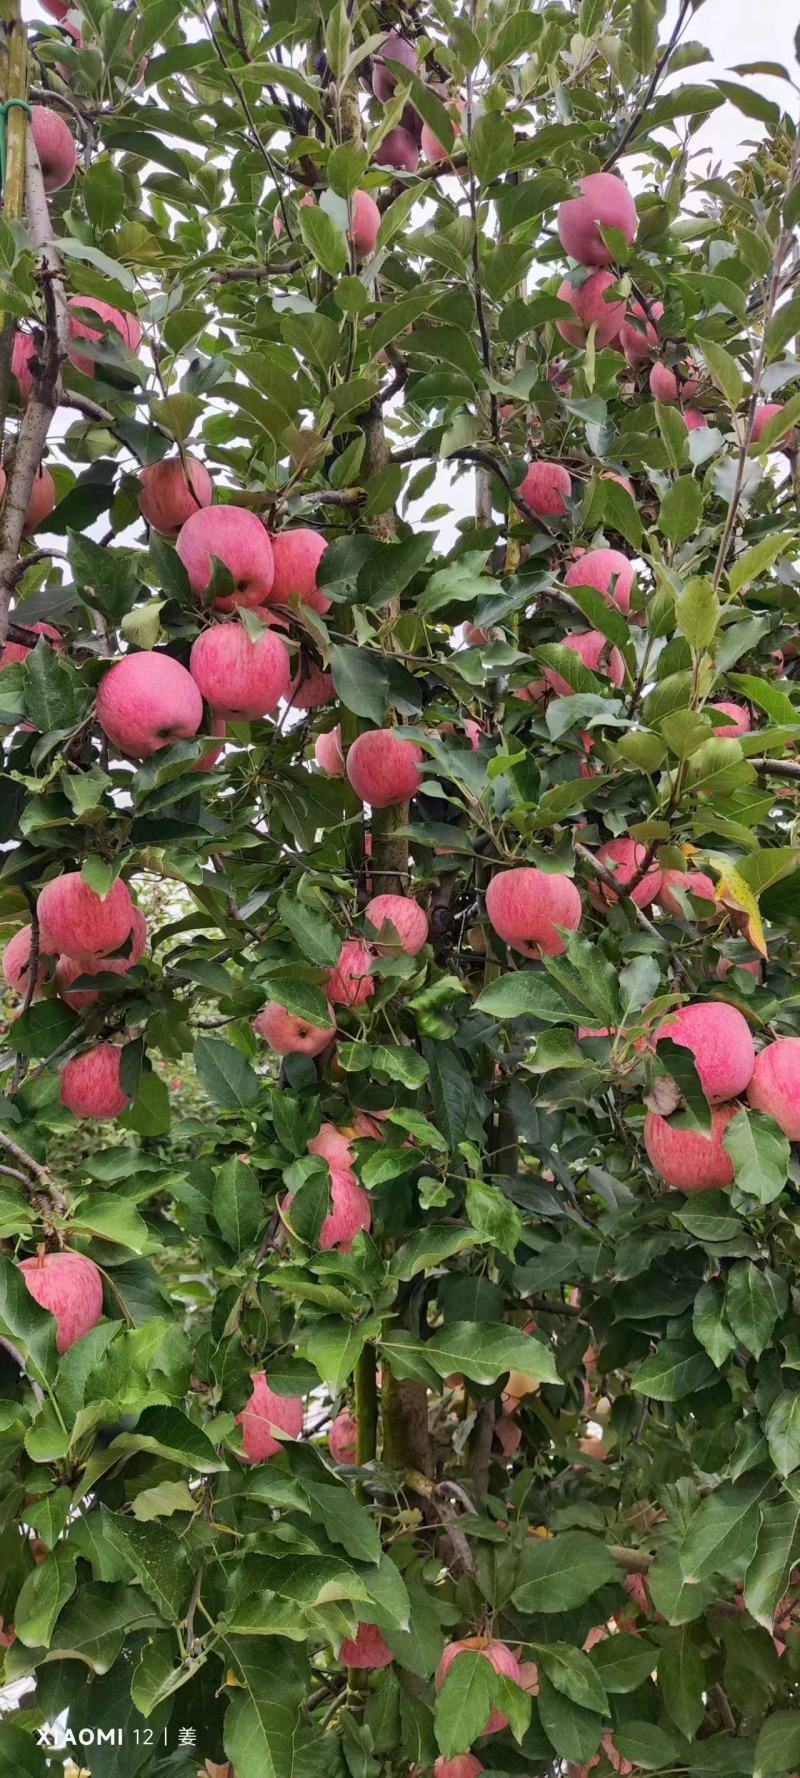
(644,106)
(46,390)
(777,768)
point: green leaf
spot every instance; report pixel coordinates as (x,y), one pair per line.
(113,1219)
(155,1558)
(325,240)
(168,1433)
(56,697)
(681,1677)
(776,1554)
(451,1089)
(315,937)
(43,1028)
(573,1674)
(645,1744)
(42,1596)
(678,1368)
(681,509)
(724,371)
(722,1530)
(623,1662)
(262,1717)
(755,1298)
(103,189)
(95,1624)
(562,1572)
(482,1353)
(759,559)
(360,681)
(345,1520)
(105,578)
(573,1732)
(697,611)
(236,1204)
(334,1348)
(778,1744)
(528,993)
(709,1324)
(782,1427)
(465,1702)
(225,1075)
(760,1153)
(491,145)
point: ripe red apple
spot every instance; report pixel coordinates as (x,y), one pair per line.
(501,1658)
(170,491)
(289,1035)
(24,355)
(19,651)
(753,966)
(624,481)
(296,556)
(368,1649)
(394,48)
(399,150)
(81,922)
(69,969)
(591,310)
(17,958)
(342,1440)
(739,723)
(71,1287)
(608,571)
(365,221)
(311,686)
(349,982)
(775,1084)
(687,1160)
(40,505)
(90,1083)
(546,489)
(263,1412)
(695,883)
(526,906)
(638,336)
(382,768)
(350,1212)
(126,325)
(328,752)
(605,202)
(693,420)
(671,386)
(241,679)
(596,652)
(405,917)
(768,410)
(146,702)
(333,1146)
(238,539)
(433,149)
(462,1765)
(55,146)
(625,858)
(721,1042)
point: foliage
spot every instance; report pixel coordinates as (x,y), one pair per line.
(640,1543)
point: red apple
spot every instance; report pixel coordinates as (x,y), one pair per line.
(71,1287)
(349,982)
(605,202)
(720,1040)
(264,1414)
(687,1160)
(55,146)
(172,490)
(289,1035)
(238,539)
(382,768)
(90,1083)
(526,907)
(81,922)
(400,915)
(591,310)
(328,752)
(241,679)
(500,1657)
(147,701)
(296,556)
(126,325)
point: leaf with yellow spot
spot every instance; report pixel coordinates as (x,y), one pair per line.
(734,893)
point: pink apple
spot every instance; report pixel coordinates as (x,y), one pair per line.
(264,1414)
(605,202)
(368,1649)
(24,357)
(596,652)
(19,651)
(624,858)
(738,723)
(591,310)
(546,489)
(400,914)
(342,1441)
(687,1160)
(70,1286)
(289,1035)
(147,701)
(170,491)
(70,969)
(55,146)
(17,960)
(349,982)
(90,1083)
(399,150)
(311,686)
(277,219)
(394,48)
(365,221)
(243,680)
(768,410)
(81,922)
(775,1084)
(238,539)
(328,752)
(526,907)
(500,1657)
(695,883)
(608,571)
(296,556)
(382,768)
(40,506)
(720,1040)
(333,1146)
(113,321)
(638,335)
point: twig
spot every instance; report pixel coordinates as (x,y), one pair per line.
(777,768)
(632,127)
(46,390)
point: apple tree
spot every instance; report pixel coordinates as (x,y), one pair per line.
(400,893)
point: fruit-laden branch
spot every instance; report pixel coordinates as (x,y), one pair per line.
(46,390)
